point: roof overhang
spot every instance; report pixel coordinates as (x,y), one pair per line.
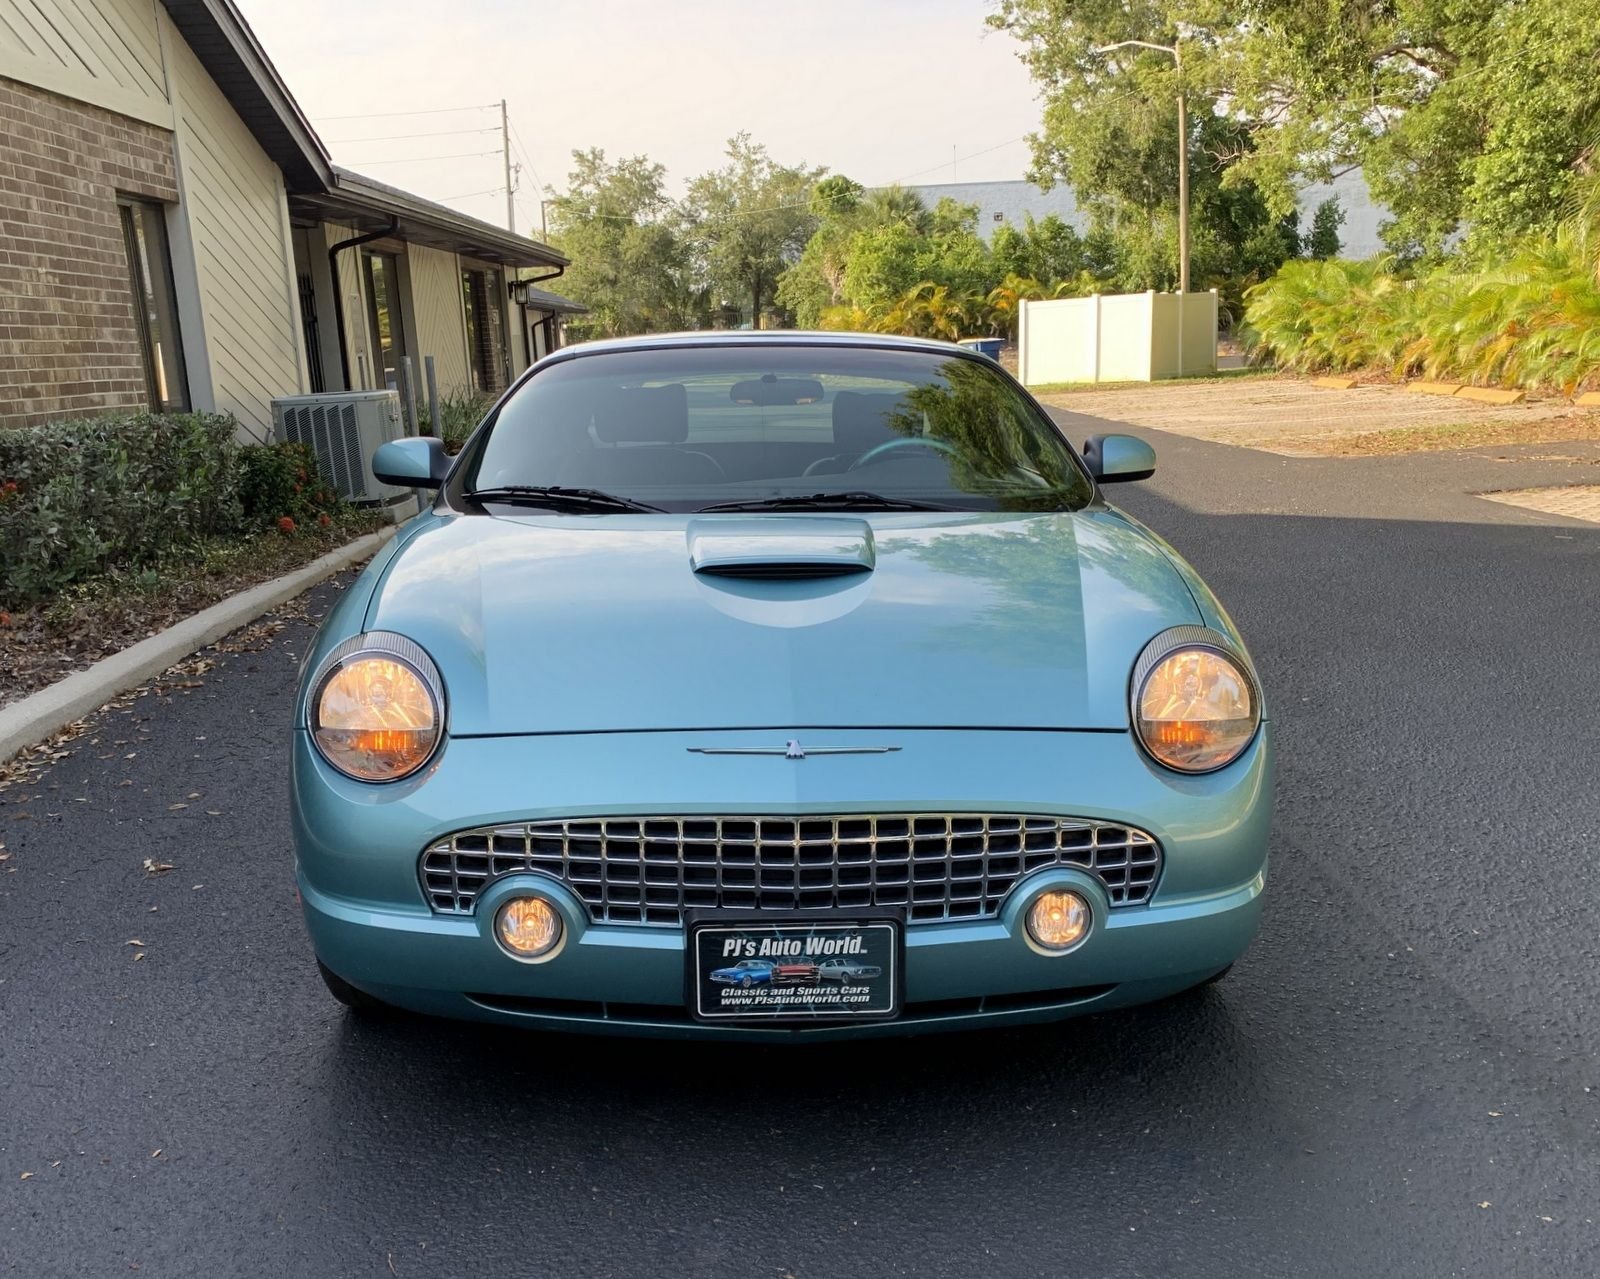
(355,200)
(233,58)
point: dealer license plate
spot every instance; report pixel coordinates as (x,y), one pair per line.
(791,970)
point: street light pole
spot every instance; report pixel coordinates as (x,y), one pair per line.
(1183,151)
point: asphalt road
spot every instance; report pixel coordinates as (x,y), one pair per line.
(1398,1079)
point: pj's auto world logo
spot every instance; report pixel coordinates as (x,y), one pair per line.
(792,947)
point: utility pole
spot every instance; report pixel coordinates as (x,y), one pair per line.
(1183,174)
(1176,51)
(505,147)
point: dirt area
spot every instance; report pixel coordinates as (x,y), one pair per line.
(1291,417)
(1575,501)
(43,644)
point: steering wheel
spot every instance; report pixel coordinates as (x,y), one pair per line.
(910,442)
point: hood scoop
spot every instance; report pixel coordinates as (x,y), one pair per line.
(780,547)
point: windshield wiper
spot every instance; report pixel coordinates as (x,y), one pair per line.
(559,498)
(852,499)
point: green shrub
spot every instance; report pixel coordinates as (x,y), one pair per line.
(459,415)
(77,496)
(1531,320)
(281,481)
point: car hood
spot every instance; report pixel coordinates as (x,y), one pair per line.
(549,624)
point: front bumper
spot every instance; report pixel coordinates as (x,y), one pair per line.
(358,847)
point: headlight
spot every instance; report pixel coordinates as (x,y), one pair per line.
(1195,706)
(376,709)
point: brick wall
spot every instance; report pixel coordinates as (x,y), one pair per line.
(69,338)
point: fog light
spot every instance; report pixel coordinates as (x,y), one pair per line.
(1058,920)
(528,927)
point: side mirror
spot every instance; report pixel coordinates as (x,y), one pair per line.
(415,462)
(1115,458)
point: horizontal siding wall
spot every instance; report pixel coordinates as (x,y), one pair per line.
(441,322)
(104,52)
(238,225)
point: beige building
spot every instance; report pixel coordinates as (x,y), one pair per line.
(173,234)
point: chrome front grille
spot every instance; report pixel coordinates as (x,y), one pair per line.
(649,870)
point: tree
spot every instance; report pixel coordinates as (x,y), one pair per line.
(749,221)
(630,264)
(1323,241)
(1418,93)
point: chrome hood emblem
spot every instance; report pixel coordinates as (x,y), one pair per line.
(792,749)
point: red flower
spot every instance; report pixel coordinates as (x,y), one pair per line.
(285,525)
(301,476)
(5,618)
(8,488)
(324,520)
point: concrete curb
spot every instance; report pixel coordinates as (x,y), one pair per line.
(35,718)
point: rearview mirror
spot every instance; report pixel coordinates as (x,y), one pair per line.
(418,462)
(1113,459)
(771,391)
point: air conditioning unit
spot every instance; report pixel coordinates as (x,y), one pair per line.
(344,430)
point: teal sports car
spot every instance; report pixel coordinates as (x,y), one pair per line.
(783,649)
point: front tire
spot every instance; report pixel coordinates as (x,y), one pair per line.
(352,997)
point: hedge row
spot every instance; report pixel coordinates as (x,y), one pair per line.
(78,498)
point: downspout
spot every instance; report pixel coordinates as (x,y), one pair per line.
(338,292)
(560,270)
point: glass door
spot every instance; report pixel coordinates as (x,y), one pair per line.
(383,314)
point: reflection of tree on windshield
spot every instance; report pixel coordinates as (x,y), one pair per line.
(1035,568)
(978,415)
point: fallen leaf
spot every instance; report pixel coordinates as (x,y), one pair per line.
(25,1176)
(194,795)
(156,1151)
(172,808)
(153,867)
(1486,1204)
(1496,1114)
(138,955)
(133,941)
(213,812)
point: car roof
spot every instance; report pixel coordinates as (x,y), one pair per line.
(759,337)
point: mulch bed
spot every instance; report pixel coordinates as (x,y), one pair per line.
(49,641)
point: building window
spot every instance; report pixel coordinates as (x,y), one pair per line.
(144,231)
(383,314)
(485,341)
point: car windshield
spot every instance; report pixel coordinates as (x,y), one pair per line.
(773,426)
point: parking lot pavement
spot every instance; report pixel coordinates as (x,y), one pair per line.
(1398,1079)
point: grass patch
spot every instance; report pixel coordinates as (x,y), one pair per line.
(1221,375)
(1447,435)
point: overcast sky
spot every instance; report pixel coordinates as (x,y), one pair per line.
(881,90)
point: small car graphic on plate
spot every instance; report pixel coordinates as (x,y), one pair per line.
(795,973)
(746,973)
(844,970)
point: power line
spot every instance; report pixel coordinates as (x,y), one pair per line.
(386,115)
(405,137)
(934,168)
(472,195)
(420,159)
(522,151)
